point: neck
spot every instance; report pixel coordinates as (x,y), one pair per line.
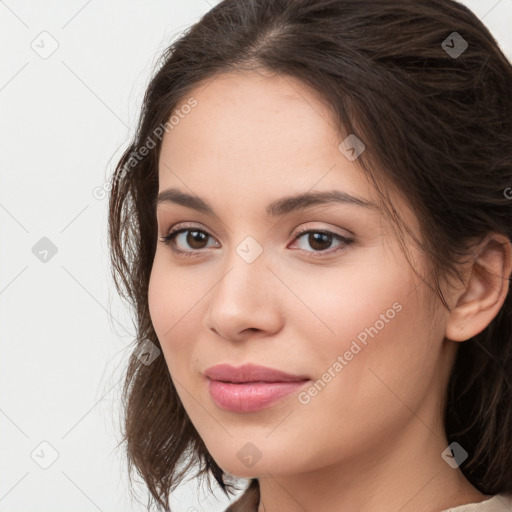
(408,474)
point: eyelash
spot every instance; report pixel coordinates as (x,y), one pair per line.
(168,240)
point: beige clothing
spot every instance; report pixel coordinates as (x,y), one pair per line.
(248,502)
(498,503)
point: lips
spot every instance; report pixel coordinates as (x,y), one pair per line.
(250,373)
(250,387)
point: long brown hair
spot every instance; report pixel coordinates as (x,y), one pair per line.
(424,84)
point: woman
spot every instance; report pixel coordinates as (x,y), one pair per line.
(313,224)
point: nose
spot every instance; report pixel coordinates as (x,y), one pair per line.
(245,301)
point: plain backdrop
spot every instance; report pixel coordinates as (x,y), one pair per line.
(72,77)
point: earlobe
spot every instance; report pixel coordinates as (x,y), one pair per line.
(485,289)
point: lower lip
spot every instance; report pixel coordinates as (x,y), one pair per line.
(250,396)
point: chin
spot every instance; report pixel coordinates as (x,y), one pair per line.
(241,465)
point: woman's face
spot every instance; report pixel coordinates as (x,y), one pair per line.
(267,282)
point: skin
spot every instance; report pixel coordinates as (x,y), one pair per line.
(372,438)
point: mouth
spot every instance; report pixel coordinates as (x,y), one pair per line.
(250,373)
(250,387)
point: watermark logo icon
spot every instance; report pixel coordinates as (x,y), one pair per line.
(45,45)
(147,352)
(352,147)
(454,45)
(249,455)
(44,455)
(249,249)
(454,455)
(44,250)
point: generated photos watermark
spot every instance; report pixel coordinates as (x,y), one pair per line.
(143,150)
(341,361)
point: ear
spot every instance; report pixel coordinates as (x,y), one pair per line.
(485,289)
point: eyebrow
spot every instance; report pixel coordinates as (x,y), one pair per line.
(277,208)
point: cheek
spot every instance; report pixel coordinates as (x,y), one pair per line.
(384,355)
(362,300)
(176,306)
(161,300)
(170,295)
(372,333)
(366,396)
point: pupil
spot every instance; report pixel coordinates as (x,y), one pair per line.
(319,238)
(194,239)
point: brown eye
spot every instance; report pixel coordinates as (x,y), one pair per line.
(319,241)
(187,240)
(196,239)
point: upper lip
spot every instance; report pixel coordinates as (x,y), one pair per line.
(250,373)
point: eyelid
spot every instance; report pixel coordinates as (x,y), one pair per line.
(343,239)
(294,233)
(188,225)
(308,227)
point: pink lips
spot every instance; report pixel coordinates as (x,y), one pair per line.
(250,387)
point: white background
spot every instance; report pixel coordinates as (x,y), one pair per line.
(65,335)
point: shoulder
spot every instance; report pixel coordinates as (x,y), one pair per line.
(249,500)
(498,503)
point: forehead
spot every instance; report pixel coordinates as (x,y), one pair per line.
(253,126)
